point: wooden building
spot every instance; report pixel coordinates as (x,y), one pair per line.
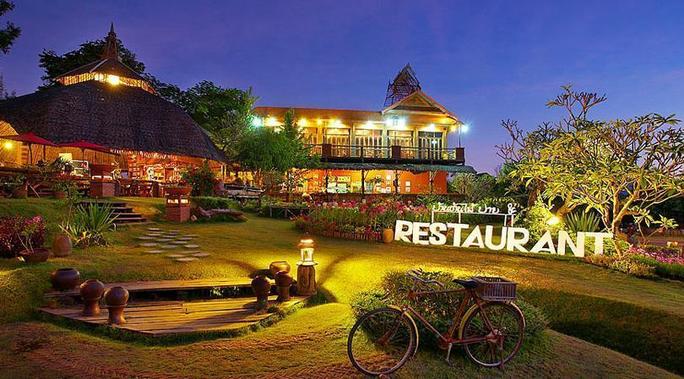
(399,149)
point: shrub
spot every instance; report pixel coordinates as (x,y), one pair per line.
(536,220)
(626,264)
(666,270)
(582,222)
(437,309)
(13,229)
(201,179)
(211,202)
(88,225)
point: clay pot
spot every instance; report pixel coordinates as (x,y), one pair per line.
(278,266)
(116,299)
(65,279)
(387,235)
(61,245)
(38,255)
(59,195)
(91,292)
(283,281)
(261,287)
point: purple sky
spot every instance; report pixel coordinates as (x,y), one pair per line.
(484,60)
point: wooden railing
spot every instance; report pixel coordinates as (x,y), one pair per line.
(330,152)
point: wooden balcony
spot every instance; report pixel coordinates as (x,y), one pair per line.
(388,154)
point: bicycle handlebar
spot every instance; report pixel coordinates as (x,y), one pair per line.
(417,276)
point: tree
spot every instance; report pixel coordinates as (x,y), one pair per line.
(618,167)
(525,146)
(10,32)
(281,156)
(226,113)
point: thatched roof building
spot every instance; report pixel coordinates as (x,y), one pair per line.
(107,103)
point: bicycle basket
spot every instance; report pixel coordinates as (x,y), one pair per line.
(492,288)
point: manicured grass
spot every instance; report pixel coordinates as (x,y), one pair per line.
(608,308)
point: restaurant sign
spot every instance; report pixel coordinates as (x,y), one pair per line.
(506,237)
(475,209)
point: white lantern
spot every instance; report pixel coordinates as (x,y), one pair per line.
(306,251)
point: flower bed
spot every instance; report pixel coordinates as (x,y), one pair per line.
(358,220)
(645,261)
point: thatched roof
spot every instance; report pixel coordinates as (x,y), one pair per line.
(119,117)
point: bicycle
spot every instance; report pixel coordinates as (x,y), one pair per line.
(486,323)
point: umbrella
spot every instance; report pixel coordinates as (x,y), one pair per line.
(30,138)
(83,145)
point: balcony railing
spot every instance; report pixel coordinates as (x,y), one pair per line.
(388,154)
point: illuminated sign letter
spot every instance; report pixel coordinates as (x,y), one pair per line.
(402,230)
(437,237)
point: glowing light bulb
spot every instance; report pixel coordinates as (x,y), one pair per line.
(554,220)
(8,145)
(113,80)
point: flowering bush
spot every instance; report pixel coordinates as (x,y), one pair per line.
(14,229)
(360,217)
(202,180)
(659,253)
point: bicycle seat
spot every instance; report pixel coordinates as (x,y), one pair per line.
(469,284)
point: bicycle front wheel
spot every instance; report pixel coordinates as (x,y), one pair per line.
(500,328)
(382,341)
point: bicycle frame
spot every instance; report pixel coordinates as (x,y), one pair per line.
(446,338)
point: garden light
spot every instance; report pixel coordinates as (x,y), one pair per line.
(7,145)
(554,220)
(113,80)
(306,251)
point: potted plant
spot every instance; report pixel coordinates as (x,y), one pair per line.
(61,188)
(33,232)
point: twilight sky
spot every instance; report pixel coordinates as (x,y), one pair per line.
(484,60)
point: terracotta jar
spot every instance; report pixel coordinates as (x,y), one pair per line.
(261,287)
(38,255)
(283,281)
(116,299)
(61,245)
(387,235)
(277,266)
(59,195)
(65,279)
(91,292)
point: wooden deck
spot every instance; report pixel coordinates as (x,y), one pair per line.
(164,318)
(163,285)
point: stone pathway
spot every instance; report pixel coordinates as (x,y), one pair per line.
(171,244)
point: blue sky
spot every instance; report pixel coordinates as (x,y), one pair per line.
(484,60)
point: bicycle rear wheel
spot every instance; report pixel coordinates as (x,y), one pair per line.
(502,341)
(382,341)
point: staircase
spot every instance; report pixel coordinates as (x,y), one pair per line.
(122,212)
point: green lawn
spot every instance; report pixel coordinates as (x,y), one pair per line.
(642,318)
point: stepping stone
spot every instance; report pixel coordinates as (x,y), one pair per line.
(167,247)
(153,229)
(149,244)
(201,255)
(163,239)
(145,238)
(153,251)
(192,246)
(186,259)
(175,256)
(179,242)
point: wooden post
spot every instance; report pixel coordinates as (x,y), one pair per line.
(306,280)
(396,182)
(431,176)
(363,183)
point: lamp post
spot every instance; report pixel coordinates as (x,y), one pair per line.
(306,268)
